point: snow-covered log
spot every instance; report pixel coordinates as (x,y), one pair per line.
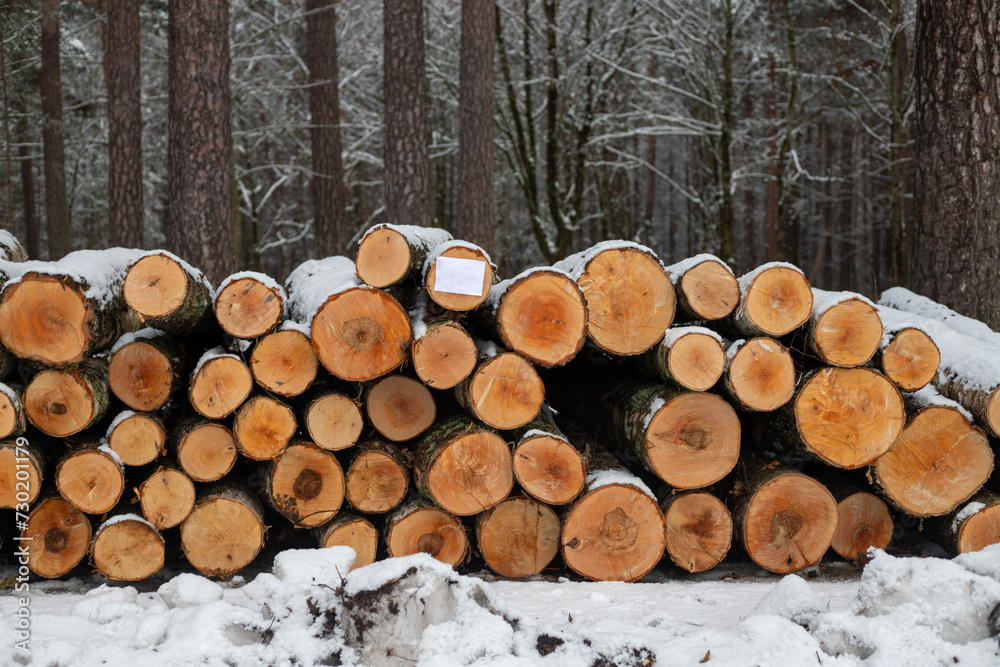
(759,374)
(907,354)
(903,299)
(167,293)
(689,356)
(350,530)
(458,275)
(137,437)
(844,329)
(546,464)
(249,304)
(706,288)
(971,527)
(91,477)
(283,362)
(389,254)
(127,548)
(224,532)
(418,527)
(147,368)
(220,382)
(775,299)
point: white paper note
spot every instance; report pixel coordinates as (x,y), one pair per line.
(459,276)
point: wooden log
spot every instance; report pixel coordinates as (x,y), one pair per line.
(540,314)
(546,464)
(845,417)
(63,402)
(11,249)
(377,478)
(518,537)
(699,530)
(249,304)
(305,484)
(389,254)
(908,357)
(691,357)
(284,362)
(60,537)
(147,368)
(443,353)
(166,497)
(8,363)
(332,418)
(902,299)
(419,528)
(137,438)
(91,478)
(615,530)
(22,470)
(59,313)
(224,532)
(938,462)
(13,419)
(785,520)
(706,288)
(262,428)
(204,450)
(167,293)
(775,299)
(399,407)
(350,530)
(504,391)
(359,333)
(863,521)
(127,548)
(970,528)
(759,374)
(220,383)
(844,329)
(630,299)
(463,467)
(439,276)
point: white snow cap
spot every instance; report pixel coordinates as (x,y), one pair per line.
(599,478)
(148,333)
(427,237)
(678,270)
(824,300)
(575,265)
(314,281)
(747,278)
(262,278)
(448,245)
(905,300)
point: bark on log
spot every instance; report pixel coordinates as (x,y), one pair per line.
(462,467)
(377,478)
(63,402)
(972,527)
(699,530)
(91,478)
(630,299)
(785,520)
(167,293)
(389,254)
(691,357)
(844,329)
(137,438)
(540,314)
(443,353)
(146,369)
(775,299)
(359,333)
(706,288)
(262,428)
(504,391)
(518,537)
(400,408)
(60,537)
(469,295)
(22,470)
(219,384)
(205,450)
(127,548)
(332,418)
(759,374)
(350,530)
(224,532)
(305,484)
(284,362)
(248,305)
(546,464)
(11,249)
(13,419)
(166,497)
(420,528)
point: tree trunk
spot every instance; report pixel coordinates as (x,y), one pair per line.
(305,484)
(407,189)
(759,374)
(465,293)
(958,156)
(907,355)
(350,530)
(32,233)
(13,418)
(844,329)
(973,527)
(332,227)
(504,391)
(332,417)
(60,537)
(91,478)
(546,464)
(262,428)
(199,198)
(124,125)
(63,402)
(518,537)
(775,299)
(166,497)
(706,288)
(389,254)
(219,384)
(377,478)
(474,217)
(443,352)
(690,357)
(249,306)
(56,211)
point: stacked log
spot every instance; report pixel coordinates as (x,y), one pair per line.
(606,414)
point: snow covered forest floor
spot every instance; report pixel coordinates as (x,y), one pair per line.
(899,610)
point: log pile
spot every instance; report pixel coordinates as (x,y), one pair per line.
(607,413)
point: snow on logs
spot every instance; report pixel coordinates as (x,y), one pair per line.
(389,254)
(167,293)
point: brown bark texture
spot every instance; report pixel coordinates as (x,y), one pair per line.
(124,125)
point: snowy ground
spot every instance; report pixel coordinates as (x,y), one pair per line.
(899,611)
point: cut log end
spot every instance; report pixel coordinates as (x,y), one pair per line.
(451,300)
(284,362)
(141,376)
(613,533)
(10,465)
(247,308)
(223,533)
(761,375)
(90,479)
(138,439)
(155,286)
(506,392)
(708,291)
(847,334)
(543,317)
(334,421)
(549,468)
(220,386)
(43,319)
(12,416)
(630,300)
(518,537)
(167,498)
(778,301)
(262,428)
(980,530)
(60,537)
(306,485)
(128,550)
(400,408)
(693,440)
(383,257)
(59,403)
(361,334)
(355,532)
(699,531)
(376,482)
(789,523)
(849,417)
(911,359)
(696,361)
(444,355)
(206,452)
(428,530)
(863,522)
(471,473)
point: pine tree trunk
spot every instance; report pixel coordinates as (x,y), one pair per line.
(64,402)
(124,125)
(147,370)
(390,254)
(284,363)
(546,464)
(759,374)
(399,407)
(332,417)
(419,528)
(690,357)
(706,288)
(699,530)
(204,450)
(219,384)
(91,478)
(137,438)
(56,211)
